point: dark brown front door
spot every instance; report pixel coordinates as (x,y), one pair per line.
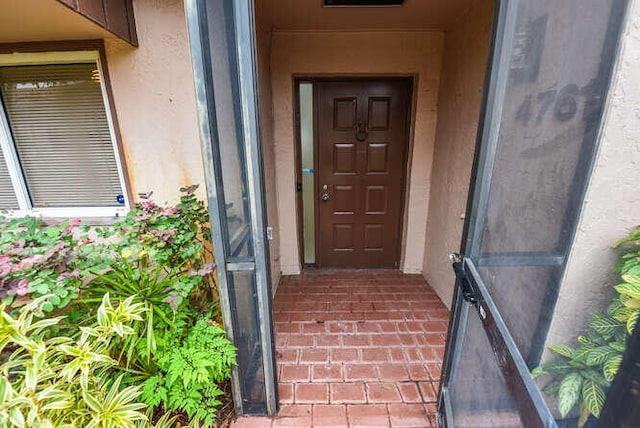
(362,144)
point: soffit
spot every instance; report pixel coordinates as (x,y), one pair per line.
(44,20)
(300,15)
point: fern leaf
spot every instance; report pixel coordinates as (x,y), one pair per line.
(149,394)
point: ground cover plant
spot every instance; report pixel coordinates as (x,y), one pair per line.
(583,373)
(137,298)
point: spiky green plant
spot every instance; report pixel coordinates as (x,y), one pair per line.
(61,382)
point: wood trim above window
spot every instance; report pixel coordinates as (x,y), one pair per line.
(58,46)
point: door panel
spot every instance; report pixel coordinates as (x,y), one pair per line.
(549,76)
(362,146)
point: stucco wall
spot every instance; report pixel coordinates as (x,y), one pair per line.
(155,101)
(464,64)
(266,122)
(612,204)
(415,53)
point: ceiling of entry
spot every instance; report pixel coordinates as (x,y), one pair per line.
(310,15)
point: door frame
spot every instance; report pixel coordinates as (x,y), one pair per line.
(406,165)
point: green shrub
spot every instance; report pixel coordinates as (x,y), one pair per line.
(57,381)
(157,259)
(38,261)
(583,374)
(190,371)
(59,261)
(159,290)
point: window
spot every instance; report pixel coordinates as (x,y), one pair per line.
(59,156)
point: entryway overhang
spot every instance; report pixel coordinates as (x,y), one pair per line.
(61,20)
(303,39)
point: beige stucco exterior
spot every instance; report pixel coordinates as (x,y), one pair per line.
(154,98)
(152,85)
(263,37)
(465,53)
(612,201)
(366,53)
(155,102)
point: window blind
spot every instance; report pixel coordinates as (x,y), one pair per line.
(61,132)
(7,195)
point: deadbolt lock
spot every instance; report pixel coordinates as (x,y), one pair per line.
(325,193)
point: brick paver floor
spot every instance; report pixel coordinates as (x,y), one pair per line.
(356,348)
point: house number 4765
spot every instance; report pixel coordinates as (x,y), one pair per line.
(562,104)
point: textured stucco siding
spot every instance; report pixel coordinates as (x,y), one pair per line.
(155,101)
(460,95)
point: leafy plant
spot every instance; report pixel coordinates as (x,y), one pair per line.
(36,260)
(158,291)
(190,371)
(583,374)
(159,255)
(158,259)
(60,382)
(178,236)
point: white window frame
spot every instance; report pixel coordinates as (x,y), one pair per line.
(10,153)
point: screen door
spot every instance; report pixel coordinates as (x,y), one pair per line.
(547,84)
(222,41)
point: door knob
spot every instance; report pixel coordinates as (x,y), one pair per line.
(325,193)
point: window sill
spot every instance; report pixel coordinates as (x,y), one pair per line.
(93,216)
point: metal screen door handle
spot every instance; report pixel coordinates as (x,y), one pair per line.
(462,280)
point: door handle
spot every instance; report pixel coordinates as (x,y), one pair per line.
(461,278)
(325,193)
